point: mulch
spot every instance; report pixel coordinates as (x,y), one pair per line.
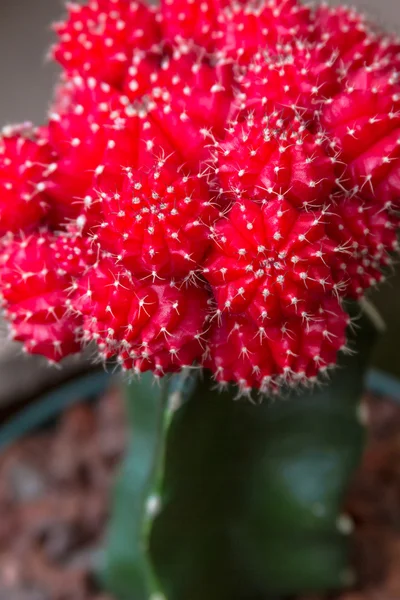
(54,504)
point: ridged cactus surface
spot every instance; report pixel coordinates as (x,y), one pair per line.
(253,493)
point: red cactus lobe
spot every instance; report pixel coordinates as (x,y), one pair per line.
(292,352)
(271,261)
(367,234)
(185,139)
(364,122)
(235,29)
(296,75)
(194,84)
(262,160)
(344,29)
(25,167)
(144,324)
(256,26)
(98,131)
(191,20)
(35,274)
(157,223)
(80,135)
(356,41)
(98,39)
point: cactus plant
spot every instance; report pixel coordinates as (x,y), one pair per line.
(214,183)
(265,511)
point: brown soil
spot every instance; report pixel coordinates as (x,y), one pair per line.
(54,492)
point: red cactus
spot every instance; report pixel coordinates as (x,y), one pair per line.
(364,122)
(367,233)
(356,42)
(236,29)
(155,223)
(293,77)
(274,157)
(221,175)
(194,84)
(26,164)
(97,130)
(83,136)
(35,275)
(146,324)
(271,261)
(98,39)
(251,27)
(191,20)
(291,352)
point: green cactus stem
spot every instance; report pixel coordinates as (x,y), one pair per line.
(252,495)
(249,506)
(126,569)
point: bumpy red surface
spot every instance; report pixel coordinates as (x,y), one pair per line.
(156,223)
(191,20)
(215,179)
(262,159)
(367,233)
(25,167)
(267,356)
(95,129)
(355,40)
(146,324)
(293,77)
(248,28)
(194,83)
(271,261)
(90,130)
(98,39)
(364,122)
(36,273)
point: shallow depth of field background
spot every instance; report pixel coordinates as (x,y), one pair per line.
(27,79)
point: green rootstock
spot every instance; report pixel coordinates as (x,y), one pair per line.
(126,570)
(252,493)
(125,566)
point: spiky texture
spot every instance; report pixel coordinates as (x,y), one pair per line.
(271,261)
(191,20)
(237,29)
(26,164)
(292,78)
(248,28)
(156,223)
(145,324)
(96,129)
(36,273)
(98,39)
(289,352)
(262,159)
(270,273)
(354,39)
(91,130)
(227,173)
(364,123)
(367,234)
(196,84)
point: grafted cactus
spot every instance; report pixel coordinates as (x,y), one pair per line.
(253,494)
(246,500)
(214,183)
